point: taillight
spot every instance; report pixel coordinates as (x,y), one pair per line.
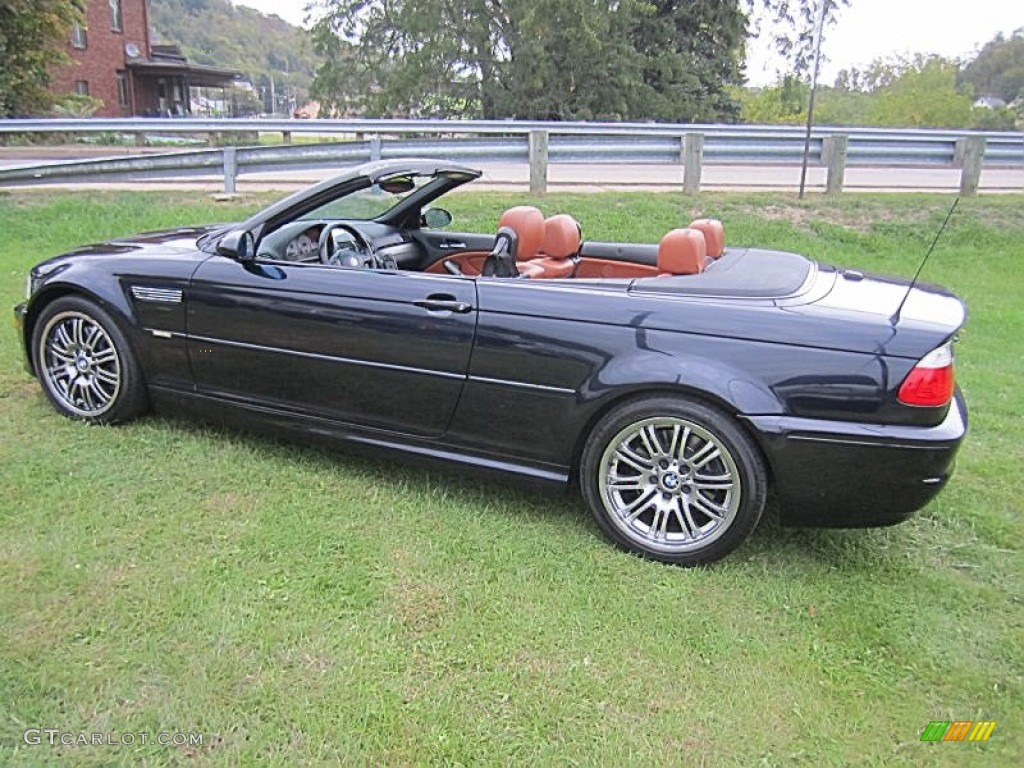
(931,381)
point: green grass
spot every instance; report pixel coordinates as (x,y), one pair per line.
(275,138)
(306,606)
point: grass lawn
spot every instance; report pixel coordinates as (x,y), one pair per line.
(304,606)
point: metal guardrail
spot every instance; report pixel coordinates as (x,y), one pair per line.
(406,126)
(738,143)
(538,143)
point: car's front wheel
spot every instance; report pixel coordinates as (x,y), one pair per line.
(673,480)
(85,364)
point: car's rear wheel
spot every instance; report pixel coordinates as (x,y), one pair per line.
(85,364)
(673,480)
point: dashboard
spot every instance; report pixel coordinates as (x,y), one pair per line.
(299,242)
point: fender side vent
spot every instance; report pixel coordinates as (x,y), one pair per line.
(159,295)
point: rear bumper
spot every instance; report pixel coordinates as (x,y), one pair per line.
(847,475)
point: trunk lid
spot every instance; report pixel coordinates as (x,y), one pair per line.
(929,316)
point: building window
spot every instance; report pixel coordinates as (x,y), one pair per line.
(82,87)
(116,21)
(122,89)
(78,37)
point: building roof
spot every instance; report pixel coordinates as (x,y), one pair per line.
(990,102)
(169,60)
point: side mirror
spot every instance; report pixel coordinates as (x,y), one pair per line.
(436,218)
(238,245)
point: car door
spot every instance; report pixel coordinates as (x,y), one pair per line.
(462,248)
(383,349)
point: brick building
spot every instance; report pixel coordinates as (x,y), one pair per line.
(114,60)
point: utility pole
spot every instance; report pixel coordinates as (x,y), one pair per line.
(819,28)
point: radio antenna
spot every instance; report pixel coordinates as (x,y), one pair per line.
(896,315)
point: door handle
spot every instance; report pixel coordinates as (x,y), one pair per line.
(443,302)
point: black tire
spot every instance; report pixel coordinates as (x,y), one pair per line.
(85,364)
(684,501)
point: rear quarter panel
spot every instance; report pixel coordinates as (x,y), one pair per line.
(550,359)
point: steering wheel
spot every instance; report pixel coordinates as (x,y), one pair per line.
(363,256)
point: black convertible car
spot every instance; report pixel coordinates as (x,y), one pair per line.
(674,382)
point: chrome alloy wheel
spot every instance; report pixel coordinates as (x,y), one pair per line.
(669,484)
(80,364)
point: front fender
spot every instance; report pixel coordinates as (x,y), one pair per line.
(105,293)
(153,322)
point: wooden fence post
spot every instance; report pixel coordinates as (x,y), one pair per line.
(230,169)
(959,148)
(974,154)
(833,155)
(693,159)
(538,162)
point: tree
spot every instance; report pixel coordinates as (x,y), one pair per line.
(567,60)
(32,38)
(923,95)
(396,56)
(690,55)
(784,102)
(552,59)
(76,106)
(790,26)
(998,69)
(917,92)
(673,60)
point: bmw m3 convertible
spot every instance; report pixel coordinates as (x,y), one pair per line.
(675,383)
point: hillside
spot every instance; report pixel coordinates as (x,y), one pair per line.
(217,33)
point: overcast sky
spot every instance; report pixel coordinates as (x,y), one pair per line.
(868,29)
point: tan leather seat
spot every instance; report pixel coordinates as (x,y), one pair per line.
(714,235)
(682,252)
(559,250)
(527,224)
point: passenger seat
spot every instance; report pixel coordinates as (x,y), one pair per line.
(560,251)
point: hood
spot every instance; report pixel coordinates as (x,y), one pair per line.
(168,245)
(171,240)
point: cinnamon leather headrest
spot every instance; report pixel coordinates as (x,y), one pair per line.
(714,235)
(561,236)
(682,252)
(528,224)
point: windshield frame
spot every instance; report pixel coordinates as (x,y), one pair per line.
(356,197)
(446,176)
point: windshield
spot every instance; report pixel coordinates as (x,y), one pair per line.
(369,203)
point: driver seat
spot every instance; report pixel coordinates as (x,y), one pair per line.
(526,224)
